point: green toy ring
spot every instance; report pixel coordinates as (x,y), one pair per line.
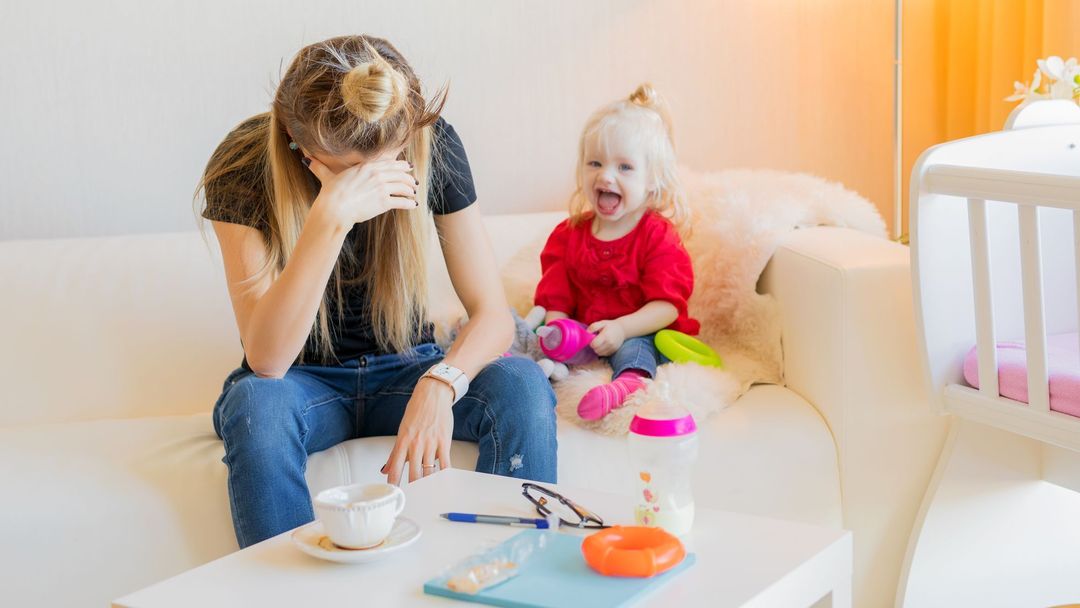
(681,348)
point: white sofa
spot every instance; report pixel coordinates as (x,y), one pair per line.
(115,350)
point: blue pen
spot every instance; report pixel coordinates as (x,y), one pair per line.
(472,518)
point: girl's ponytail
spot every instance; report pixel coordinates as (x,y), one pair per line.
(647,97)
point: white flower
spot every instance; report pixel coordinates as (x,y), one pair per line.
(1053,66)
(1062,89)
(1062,81)
(1072,76)
(1062,76)
(1020,91)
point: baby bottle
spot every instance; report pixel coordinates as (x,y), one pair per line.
(566,340)
(663,447)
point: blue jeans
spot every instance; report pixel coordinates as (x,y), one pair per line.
(270,425)
(637,353)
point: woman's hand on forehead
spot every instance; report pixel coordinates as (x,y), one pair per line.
(342,162)
(356,194)
(395,153)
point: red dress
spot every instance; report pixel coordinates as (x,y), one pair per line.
(592,280)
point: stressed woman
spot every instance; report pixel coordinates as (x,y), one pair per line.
(323,209)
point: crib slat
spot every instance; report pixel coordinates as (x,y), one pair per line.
(1034,315)
(984,303)
(1076,248)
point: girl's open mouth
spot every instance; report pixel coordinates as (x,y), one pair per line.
(607,202)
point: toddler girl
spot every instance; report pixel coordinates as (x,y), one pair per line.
(618,264)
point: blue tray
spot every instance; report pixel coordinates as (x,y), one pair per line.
(558,576)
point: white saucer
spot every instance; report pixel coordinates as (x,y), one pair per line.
(312,539)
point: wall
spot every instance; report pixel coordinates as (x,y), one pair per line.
(110,109)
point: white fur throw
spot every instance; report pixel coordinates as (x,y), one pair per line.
(739,218)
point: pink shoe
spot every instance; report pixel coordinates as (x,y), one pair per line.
(602,399)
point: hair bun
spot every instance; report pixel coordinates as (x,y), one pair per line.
(373,90)
(645,95)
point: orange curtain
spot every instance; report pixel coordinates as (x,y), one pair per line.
(960,58)
(987,45)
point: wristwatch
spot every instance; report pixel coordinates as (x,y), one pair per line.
(451,376)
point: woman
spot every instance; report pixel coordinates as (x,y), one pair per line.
(322,208)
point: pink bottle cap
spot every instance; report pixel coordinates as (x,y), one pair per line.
(667,427)
(662,417)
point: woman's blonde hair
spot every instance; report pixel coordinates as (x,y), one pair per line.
(342,95)
(647,114)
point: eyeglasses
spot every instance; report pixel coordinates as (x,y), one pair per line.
(570,513)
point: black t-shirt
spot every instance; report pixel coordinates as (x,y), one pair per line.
(239,197)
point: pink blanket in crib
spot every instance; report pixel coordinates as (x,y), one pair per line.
(1063,362)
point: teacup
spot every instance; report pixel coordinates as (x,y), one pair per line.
(359,516)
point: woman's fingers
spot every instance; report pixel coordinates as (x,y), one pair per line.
(405,204)
(398,186)
(416,455)
(380,167)
(320,170)
(443,454)
(396,176)
(388,165)
(396,462)
(364,191)
(401,190)
(427,465)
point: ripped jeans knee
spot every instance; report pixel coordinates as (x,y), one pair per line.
(510,412)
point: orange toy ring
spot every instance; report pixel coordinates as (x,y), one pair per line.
(632,551)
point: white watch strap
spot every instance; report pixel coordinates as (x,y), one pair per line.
(460,386)
(451,376)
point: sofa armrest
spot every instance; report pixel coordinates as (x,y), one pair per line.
(849,349)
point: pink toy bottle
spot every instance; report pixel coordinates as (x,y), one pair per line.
(566,340)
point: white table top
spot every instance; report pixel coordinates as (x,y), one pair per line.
(743,560)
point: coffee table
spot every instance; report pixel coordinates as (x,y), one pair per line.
(742,560)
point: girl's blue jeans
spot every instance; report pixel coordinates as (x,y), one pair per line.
(637,353)
(270,425)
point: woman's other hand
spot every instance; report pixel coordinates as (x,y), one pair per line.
(425,432)
(361,192)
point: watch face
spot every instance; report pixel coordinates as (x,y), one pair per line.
(443,371)
(456,378)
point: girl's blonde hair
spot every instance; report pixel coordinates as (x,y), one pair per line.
(342,95)
(647,113)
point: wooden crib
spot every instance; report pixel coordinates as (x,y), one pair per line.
(995,253)
(995,235)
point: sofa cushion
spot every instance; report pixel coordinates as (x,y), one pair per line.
(143,324)
(117,491)
(98,509)
(769,454)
